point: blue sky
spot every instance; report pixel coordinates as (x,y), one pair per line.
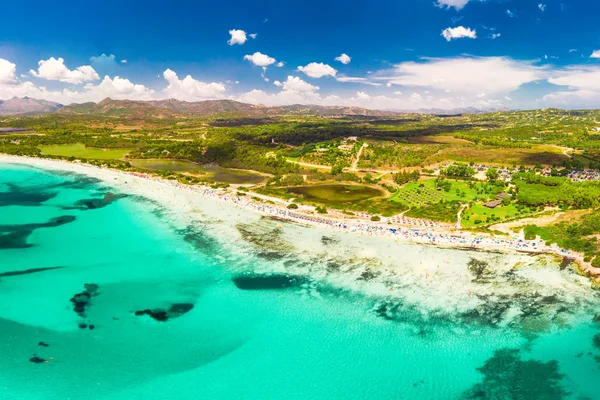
(402,54)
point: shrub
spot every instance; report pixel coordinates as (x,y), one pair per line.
(376,218)
(292,206)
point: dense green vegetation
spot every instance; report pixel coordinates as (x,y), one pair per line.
(424,163)
(535,190)
(580,236)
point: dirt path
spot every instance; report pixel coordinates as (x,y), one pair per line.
(355,162)
(308,165)
(317,166)
(459,215)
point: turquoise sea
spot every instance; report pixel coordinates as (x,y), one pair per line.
(221,320)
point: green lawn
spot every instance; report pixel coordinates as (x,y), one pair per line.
(79,150)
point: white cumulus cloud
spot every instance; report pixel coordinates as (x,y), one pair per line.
(465,75)
(55,70)
(117,88)
(296,84)
(260,59)
(317,70)
(458,33)
(343,58)
(595,54)
(190,89)
(7,71)
(238,36)
(581,86)
(458,4)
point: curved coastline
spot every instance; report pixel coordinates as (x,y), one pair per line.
(305,296)
(431,233)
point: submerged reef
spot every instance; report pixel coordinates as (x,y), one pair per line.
(507,376)
(27,271)
(92,204)
(25,196)
(196,236)
(266,235)
(15,236)
(161,315)
(36,195)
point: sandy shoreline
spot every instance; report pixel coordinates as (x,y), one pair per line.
(165,193)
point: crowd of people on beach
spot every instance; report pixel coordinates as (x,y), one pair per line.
(400,228)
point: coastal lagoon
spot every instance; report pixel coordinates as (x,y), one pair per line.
(210,172)
(123,288)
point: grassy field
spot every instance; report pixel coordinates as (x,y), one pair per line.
(79,150)
(537,154)
(417,194)
(335,194)
(483,214)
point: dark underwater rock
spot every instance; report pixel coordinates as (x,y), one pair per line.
(158,315)
(37,360)
(161,315)
(179,309)
(43,344)
(268,282)
(368,275)
(82,300)
(270,255)
(596,341)
(326,240)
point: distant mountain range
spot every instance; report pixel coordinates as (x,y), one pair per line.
(27,105)
(172,108)
(454,111)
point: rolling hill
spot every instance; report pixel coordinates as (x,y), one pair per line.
(27,105)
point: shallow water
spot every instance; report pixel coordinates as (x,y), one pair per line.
(279,310)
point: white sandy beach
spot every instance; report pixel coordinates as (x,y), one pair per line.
(422,267)
(186,200)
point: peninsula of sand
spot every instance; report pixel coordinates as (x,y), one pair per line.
(175,196)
